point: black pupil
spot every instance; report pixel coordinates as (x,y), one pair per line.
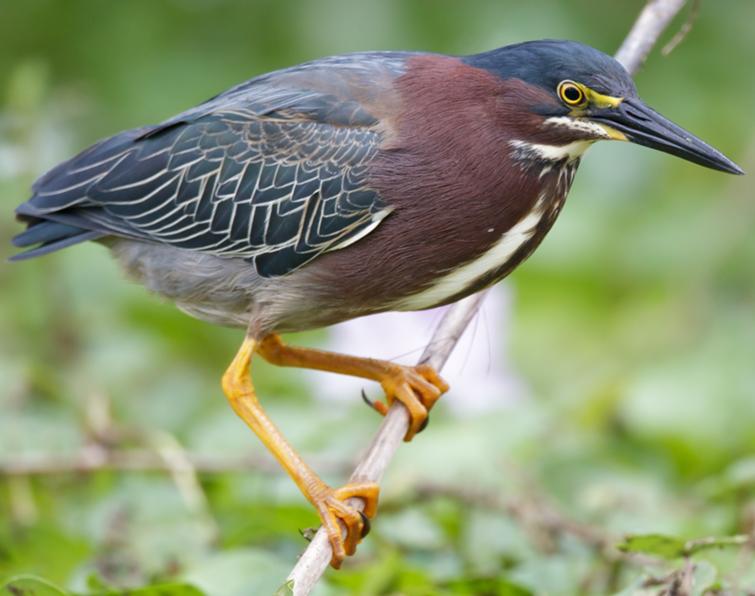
(572,94)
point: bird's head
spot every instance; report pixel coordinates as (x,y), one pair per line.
(584,95)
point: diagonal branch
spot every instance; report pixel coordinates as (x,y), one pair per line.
(95,458)
(653,20)
(648,27)
(315,560)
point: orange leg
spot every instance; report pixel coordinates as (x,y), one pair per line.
(330,503)
(417,387)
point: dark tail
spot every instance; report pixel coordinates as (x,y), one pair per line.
(59,213)
(49,236)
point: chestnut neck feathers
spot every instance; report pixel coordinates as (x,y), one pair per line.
(455,181)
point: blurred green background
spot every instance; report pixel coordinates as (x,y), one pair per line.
(633,327)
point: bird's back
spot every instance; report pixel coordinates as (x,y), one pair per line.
(272,171)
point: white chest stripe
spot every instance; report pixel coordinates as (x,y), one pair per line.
(457,280)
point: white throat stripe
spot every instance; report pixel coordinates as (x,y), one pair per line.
(570,151)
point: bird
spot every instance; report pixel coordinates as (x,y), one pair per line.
(346,186)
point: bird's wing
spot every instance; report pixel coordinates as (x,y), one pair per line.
(274,170)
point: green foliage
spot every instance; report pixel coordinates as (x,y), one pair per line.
(156,590)
(35,586)
(286,589)
(668,547)
(30,586)
(657,545)
(632,331)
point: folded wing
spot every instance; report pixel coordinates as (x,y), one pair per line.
(274,171)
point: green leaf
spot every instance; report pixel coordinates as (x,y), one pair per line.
(498,586)
(668,547)
(24,545)
(286,589)
(96,586)
(30,585)
(165,590)
(659,545)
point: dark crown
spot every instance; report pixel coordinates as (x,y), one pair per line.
(549,61)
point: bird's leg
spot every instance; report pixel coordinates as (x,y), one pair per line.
(417,387)
(330,503)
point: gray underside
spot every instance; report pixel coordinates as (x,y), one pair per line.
(227,291)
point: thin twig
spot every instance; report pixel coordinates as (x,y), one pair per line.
(534,513)
(684,30)
(372,466)
(97,458)
(653,19)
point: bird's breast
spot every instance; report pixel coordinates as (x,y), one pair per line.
(466,206)
(508,246)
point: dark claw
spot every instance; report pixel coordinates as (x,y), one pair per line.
(366,526)
(424,424)
(367,400)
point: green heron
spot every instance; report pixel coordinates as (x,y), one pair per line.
(343,187)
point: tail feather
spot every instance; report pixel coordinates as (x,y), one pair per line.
(49,236)
(57,214)
(44,232)
(47,248)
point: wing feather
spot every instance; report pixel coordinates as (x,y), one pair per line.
(274,170)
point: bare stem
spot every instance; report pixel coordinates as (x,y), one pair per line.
(653,20)
(97,458)
(684,29)
(648,27)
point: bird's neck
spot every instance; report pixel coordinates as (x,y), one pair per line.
(508,245)
(468,205)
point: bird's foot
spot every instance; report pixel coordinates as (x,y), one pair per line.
(417,387)
(332,508)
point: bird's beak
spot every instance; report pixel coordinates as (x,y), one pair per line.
(642,125)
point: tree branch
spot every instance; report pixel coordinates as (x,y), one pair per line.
(653,19)
(95,458)
(315,560)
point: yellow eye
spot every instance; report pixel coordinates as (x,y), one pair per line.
(571,93)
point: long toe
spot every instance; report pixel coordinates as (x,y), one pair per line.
(417,388)
(415,408)
(345,524)
(426,383)
(432,376)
